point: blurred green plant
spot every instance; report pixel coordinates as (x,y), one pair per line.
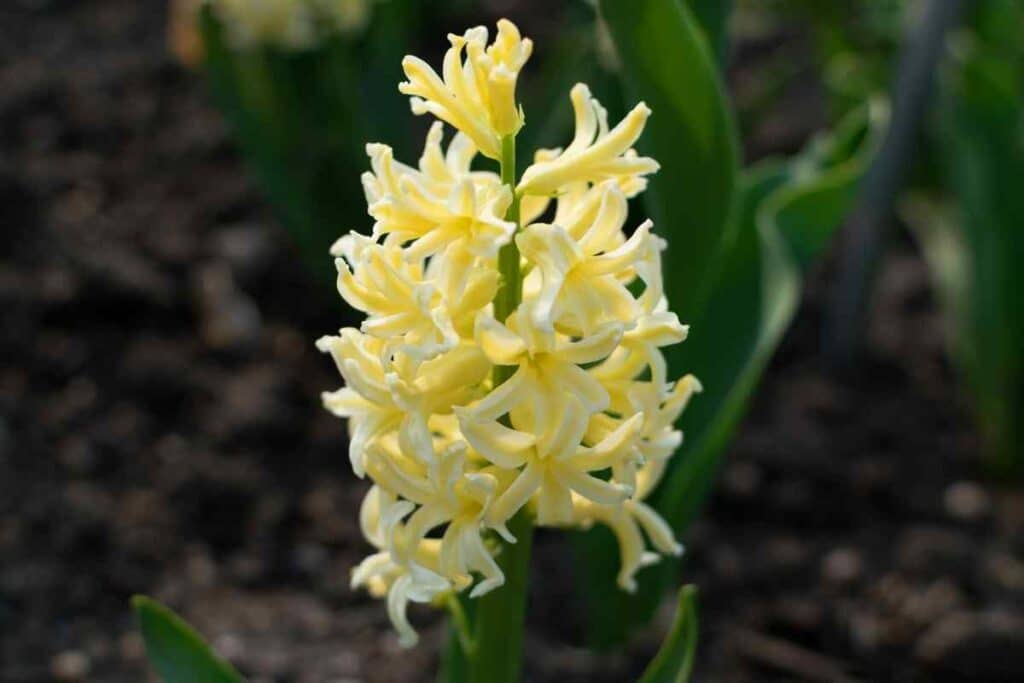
(176,652)
(960,203)
(972,231)
(740,242)
(855,43)
(300,115)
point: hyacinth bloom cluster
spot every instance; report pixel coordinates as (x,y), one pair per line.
(465,411)
(290,24)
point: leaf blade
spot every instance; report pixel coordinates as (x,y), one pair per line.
(175,650)
(667,62)
(675,658)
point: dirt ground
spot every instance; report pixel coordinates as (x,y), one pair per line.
(160,430)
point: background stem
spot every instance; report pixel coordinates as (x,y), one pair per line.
(846,318)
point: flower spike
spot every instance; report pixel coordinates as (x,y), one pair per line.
(507,369)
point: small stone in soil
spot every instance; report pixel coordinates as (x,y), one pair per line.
(928,551)
(230,319)
(975,646)
(842,566)
(742,479)
(966,501)
(70,665)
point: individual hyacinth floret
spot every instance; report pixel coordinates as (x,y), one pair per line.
(466,412)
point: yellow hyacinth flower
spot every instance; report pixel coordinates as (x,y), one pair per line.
(476,94)
(506,366)
(401,573)
(595,153)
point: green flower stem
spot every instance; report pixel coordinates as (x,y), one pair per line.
(499,618)
(496,621)
(510,291)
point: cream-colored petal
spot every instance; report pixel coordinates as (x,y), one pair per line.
(656,528)
(515,496)
(502,446)
(499,344)
(592,488)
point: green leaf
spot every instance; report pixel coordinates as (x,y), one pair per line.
(713,17)
(667,63)
(755,298)
(823,183)
(675,658)
(983,107)
(786,215)
(175,650)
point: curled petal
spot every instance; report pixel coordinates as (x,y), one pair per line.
(594,154)
(515,497)
(500,445)
(656,528)
(499,344)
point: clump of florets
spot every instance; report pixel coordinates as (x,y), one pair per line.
(577,425)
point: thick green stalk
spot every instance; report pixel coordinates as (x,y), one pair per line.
(496,621)
(499,618)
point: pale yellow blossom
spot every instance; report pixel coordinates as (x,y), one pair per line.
(442,207)
(595,153)
(467,407)
(476,94)
(552,465)
(397,572)
(580,282)
(445,493)
(402,302)
(380,397)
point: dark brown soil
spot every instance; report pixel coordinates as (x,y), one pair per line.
(160,430)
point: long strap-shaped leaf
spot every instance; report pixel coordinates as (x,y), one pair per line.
(176,651)
(713,17)
(977,257)
(667,63)
(675,658)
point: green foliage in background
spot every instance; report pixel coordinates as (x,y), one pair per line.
(738,278)
(301,118)
(176,652)
(961,205)
(855,43)
(972,231)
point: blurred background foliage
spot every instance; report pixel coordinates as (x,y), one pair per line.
(956,200)
(971,221)
(741,239)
